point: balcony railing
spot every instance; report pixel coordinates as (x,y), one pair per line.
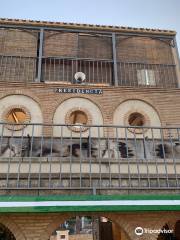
(36,156)
(17,68)
(98,72)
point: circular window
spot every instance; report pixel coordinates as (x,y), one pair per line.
(16,115)
(139,120)
(79,118)
(136,119)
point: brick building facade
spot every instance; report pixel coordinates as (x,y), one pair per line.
(91,112)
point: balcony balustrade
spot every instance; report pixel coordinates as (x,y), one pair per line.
(37,156)
(97,72)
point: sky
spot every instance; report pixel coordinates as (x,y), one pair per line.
(161,14)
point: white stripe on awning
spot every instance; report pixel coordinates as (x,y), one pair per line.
(92,203)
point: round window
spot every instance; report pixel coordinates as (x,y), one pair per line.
(16,115)
(80,118)
(136,119)
(139,120)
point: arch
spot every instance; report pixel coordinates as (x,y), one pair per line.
(21,92)
(20,38)
(27,102)
(154,50)
(91,99)
(58,40)
(56,222)
(15,230)
(5,232)
(74,103)
(148,37)
(128,107)
(143,99)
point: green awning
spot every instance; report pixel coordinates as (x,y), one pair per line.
(90,203)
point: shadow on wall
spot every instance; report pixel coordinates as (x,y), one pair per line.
(88,148)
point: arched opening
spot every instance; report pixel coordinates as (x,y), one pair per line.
(88,228)
(5,233)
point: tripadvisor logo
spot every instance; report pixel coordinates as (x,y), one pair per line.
(139,231)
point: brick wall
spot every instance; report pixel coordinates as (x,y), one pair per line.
(18,43)
(18,52)
(143,49)
(164,101)
(41,226)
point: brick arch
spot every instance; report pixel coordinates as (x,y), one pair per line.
(145,37)
(55,224)
(69,104)
(143,99)
(24,93)
(12,226)
(125,226)
(60,101)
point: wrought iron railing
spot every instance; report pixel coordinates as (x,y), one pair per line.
(97,72)
(17,68)
(102,157)
(64,69)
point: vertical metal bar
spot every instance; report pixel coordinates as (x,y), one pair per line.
(114,59)
(145,158)
(178,62)
(30,157)
(70,167)
(89,80)
(119,164)
(154,153)
(60,159)
(109,158)
(127,150)
(137,159)
(19,165)
(80,177)
(41,156)
(63,69)
(54,70)
(106,72)
(10,156)
(50,159)
(102,75)
(90,158)
(97,71)
(173,155)
(2,132)
(72,70)
(41,39)
(99,156)
(164,156)
(93,78)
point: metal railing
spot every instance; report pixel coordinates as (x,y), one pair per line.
(98,72)
(37,156)
(17,68)
(139,74)
(64,69)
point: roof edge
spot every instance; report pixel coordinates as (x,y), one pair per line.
(8,21)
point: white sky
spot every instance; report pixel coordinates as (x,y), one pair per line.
(163,14)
